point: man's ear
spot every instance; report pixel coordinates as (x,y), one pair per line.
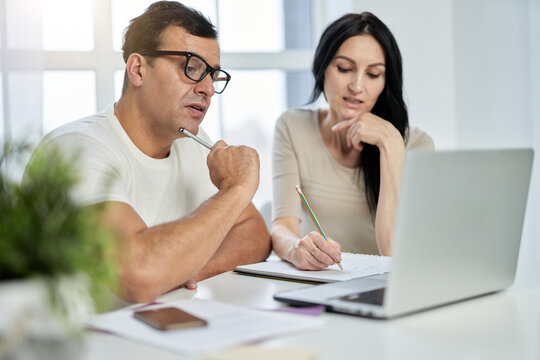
(135,68)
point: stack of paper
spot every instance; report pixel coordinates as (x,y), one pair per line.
(228,325)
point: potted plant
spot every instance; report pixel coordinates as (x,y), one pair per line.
(54,253)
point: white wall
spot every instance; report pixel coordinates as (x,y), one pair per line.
(494,87)
(532,221)
(472,77)
(424,32)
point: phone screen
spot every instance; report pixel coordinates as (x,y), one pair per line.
(169,318)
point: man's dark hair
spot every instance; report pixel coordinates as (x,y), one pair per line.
(390,104)
(143,32)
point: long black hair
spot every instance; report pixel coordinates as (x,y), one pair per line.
(390,104)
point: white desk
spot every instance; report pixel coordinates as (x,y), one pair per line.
(505,325)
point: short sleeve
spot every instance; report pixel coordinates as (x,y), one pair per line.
(98,172)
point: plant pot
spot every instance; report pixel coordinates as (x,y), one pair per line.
(42,318)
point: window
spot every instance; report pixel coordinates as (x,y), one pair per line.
(24,104)
(2,131)
(73,32)
(67,95)
(59,67)
(250,107)
(251,26)
(23,24)
(122,11)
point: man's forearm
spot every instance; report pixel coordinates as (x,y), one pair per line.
(156,259)
(247,242)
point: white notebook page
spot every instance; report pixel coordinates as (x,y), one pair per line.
(354,266)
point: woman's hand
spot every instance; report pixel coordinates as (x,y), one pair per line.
(370,129)
(313,252)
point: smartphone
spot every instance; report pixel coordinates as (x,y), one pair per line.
(169,318)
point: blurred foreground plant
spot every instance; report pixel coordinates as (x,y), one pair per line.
(44,233)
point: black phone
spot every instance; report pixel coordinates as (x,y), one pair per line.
(169,318)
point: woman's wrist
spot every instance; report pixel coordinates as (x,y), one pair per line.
(392,143)
(291,250)
(284,242)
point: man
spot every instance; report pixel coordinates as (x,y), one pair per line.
(161,198)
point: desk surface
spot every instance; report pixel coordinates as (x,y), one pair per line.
(505,325)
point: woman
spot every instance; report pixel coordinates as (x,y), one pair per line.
(347,159)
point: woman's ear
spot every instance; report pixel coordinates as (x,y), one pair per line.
(135,66)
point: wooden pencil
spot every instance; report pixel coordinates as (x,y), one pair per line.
(313,217)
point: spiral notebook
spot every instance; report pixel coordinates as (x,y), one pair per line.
(354,266)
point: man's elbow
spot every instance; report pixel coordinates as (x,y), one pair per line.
(139,287)
(140,295)
(264,245)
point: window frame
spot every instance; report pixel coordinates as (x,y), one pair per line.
(104,61)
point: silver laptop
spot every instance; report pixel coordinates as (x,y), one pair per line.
(457,236)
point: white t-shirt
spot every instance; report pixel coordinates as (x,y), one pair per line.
(112,168)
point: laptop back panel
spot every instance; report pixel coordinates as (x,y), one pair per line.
(458,230)
(459,226)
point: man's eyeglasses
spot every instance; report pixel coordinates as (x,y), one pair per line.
(196,68)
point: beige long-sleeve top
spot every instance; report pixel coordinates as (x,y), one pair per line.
(335,193)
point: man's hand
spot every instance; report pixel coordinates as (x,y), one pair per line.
(190,284)
(231,166)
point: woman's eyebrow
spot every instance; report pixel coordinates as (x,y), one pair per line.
(377,64)
(344,58)
(354,62)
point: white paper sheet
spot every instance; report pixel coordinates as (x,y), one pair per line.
(228,325)
(354,266)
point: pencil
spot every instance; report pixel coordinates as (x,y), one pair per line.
(313,217)
(199,140)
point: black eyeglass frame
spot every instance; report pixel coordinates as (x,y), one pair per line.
(209,69)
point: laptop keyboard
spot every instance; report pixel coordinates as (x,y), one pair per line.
(368,297)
